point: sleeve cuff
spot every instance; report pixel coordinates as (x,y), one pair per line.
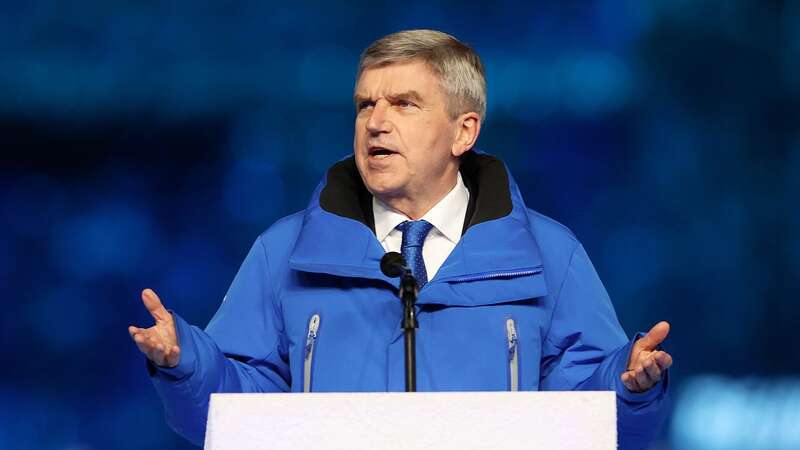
(648,396)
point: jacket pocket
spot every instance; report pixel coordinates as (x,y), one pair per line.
(311,340)
(512,342)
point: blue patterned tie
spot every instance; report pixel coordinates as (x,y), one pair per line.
(414,232)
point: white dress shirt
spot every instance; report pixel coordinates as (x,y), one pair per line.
(447,218)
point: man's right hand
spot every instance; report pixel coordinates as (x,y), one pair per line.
(159,342)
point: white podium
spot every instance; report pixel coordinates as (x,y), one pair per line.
(418,421)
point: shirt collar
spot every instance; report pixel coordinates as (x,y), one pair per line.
(447,215)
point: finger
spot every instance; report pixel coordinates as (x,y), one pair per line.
(642,379)
(626,380)
(663,359)
(630,382)
(653,371)
(655,336)
(132,330)
(157,354)
(638,357)
(173,356)
(142,344)
(154,306)
(641,357)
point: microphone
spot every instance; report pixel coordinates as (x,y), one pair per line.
(393,265)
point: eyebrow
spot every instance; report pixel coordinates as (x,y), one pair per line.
(407,95)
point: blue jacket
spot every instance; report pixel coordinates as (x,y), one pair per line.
(516,305)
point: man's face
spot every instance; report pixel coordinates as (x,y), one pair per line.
(404,136)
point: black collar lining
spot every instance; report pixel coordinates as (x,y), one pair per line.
(484,176)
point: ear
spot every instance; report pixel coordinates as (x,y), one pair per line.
(469,127)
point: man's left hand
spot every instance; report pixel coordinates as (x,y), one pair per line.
(646,365)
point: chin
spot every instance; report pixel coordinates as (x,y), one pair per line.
(383,187)
(381,190)
(383,183)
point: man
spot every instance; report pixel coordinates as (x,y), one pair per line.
(508,301)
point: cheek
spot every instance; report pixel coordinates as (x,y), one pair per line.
(428,140)
(417,136)
(356,134)
(359,127)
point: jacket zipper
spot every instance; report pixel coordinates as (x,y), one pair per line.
(311,339)
(513,355)
(487,276)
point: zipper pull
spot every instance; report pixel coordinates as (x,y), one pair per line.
(511,332)
(313,326)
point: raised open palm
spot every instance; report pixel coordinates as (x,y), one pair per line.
(647,364)
(159,342)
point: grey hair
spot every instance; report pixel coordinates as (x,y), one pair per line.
(456,64)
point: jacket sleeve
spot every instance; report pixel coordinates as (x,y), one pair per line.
(586,349)
(241,350)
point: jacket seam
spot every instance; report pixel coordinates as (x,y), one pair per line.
(558,295)
(276,307)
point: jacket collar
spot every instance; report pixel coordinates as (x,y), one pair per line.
(337,235)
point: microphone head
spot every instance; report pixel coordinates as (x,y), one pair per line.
(393,264)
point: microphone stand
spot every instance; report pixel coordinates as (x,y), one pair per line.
(409,324)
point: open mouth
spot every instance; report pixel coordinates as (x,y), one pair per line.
(380,152)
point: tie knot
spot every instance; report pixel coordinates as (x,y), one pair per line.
(414,232)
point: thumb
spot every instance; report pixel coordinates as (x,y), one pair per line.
(154,306)
(655,336)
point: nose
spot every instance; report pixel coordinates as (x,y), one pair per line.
(377,122)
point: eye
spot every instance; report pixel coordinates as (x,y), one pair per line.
(363,105)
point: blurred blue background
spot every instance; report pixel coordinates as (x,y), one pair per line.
(147,144)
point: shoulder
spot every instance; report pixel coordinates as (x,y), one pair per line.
(557,244)
(551,233)
(280,236)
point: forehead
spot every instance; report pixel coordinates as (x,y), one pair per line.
(398,77)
